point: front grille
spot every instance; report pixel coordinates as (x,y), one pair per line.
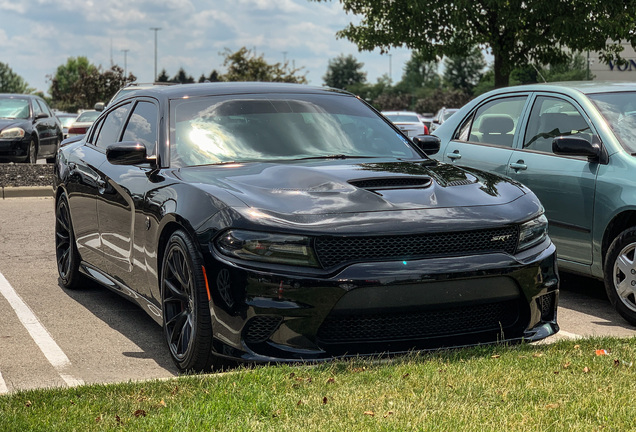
(260,328)
(380,327)
(334,251)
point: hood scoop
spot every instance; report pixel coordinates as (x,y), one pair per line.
(383,183)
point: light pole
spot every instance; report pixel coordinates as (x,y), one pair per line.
(125,51)
(155,29)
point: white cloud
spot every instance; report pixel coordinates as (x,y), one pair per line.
(193,34)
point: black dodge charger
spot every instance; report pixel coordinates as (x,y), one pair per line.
(281,222)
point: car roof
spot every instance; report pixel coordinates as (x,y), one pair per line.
(227,88)
(584,87)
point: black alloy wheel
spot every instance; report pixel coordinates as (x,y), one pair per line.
(185,306)
(620,274)
(66,254)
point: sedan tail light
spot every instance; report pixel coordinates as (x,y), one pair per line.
(77,130)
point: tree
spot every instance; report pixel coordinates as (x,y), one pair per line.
(344,71)
(516,32)
(11,82)
(213,77)
(464,72)
(80,84)
(573,69)
(243,65)
(182,77)
(420,73)
(163,76)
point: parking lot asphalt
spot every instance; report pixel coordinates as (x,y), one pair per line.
(50,336)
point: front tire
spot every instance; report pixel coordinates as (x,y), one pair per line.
(185,305)
(32,152)
(620,274)
(66,254)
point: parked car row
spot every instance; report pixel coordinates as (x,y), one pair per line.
(281,222)
(574,146)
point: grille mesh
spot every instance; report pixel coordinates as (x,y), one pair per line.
(546,304)
(418,325)
(334,251)
(260,328)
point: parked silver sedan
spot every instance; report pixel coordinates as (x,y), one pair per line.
(407,121)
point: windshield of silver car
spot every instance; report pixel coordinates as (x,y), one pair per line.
(244,128)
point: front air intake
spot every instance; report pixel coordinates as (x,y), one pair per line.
(409,182)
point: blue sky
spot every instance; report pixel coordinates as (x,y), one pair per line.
(36,36)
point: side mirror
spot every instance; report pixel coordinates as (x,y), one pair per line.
(126,153)
(99,106)
(429,144)
(576,146)
(41,116)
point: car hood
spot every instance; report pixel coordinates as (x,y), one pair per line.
(330,187)
(7,123)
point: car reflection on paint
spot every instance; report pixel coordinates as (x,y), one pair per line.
(279,222)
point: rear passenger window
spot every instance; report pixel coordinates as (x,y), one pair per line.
(494,123)
(550,118)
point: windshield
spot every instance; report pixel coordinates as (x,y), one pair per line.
(66,121)
(14,108)
(403,118)
(619,110)
(87,116)
(219,129)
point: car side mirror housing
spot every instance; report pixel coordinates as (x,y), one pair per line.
(576,146)
(127,153)
(99,106)
(41,116)
(429,144)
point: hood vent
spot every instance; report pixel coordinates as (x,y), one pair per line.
(409,182)
(462,182)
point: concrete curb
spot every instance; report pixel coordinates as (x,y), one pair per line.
(27,192)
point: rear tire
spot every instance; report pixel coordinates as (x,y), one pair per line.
(66,254)
(620,274)
(185,306)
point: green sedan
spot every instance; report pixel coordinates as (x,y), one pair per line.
(574,145)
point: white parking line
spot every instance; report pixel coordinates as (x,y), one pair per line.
(40,335)
(3,385)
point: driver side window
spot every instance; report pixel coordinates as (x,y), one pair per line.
(550,118)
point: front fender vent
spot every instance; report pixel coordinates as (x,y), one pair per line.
(392,182)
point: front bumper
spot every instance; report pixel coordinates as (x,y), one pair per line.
(383,307)
(15,150)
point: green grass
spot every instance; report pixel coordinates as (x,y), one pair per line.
(563,386)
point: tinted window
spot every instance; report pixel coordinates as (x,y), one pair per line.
(494,122)
(44,107)
(219,129)
(111,126)
(552,117)
(142,126)
(37,109)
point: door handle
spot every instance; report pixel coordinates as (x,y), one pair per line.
(454,155)
(519,166)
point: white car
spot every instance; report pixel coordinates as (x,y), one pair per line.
(407,121)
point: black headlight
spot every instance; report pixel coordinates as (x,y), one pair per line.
(270,248)
(532,232)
